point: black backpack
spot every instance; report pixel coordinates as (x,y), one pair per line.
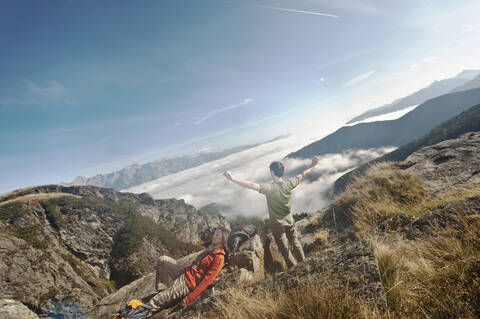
(238,237)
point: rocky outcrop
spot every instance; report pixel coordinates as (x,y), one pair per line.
(69,243)
(454,215)
(352,266)
(449,164)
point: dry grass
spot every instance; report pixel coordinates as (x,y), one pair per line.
(46,196)
(319,242)
(304,302)
(386,191)
(434,200)
(439,278)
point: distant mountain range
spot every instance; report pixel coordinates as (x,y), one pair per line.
(435,89)
(396,132)
(138,174)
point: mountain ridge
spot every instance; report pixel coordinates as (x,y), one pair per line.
(435,89)
(467,121)
(394,132)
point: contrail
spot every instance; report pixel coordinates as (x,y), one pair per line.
(293,10)
(285,9)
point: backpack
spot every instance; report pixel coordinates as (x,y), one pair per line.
(134,309)
(238,237)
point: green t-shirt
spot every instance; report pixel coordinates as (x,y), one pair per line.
(278,199)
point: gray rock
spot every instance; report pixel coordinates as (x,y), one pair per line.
(57,244)
(11,309)
(449,164)
(351,265)
(451,215)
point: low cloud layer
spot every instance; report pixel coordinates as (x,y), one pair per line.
(205,184)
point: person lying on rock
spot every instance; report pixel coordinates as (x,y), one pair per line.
(187,283)
(278,194)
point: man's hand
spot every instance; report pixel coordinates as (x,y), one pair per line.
(183,304)
(228,175)
(308,170)
(314,161)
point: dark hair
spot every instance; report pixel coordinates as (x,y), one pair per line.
(225,234)
(277,168)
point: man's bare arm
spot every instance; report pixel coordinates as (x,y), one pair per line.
(245,184)
(308,170)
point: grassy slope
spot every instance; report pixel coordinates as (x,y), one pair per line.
(435,278)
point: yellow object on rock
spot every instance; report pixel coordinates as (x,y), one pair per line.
(134,303)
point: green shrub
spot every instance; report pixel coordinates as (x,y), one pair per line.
(30,234)
(54,216)
(137,227)
(11,211)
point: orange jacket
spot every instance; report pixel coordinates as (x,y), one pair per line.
(198,278)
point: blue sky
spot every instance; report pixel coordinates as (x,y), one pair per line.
(88,87)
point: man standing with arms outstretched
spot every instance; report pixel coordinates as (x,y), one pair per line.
(278,194)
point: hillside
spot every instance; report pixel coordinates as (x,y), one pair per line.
(467,121)
(82,243)
(435,89)
(393,133)
(400,242)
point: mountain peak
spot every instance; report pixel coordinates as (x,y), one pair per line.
(468,74)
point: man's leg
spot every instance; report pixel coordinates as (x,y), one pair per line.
(166,272)
(282,243)
(177,291)
(296,245)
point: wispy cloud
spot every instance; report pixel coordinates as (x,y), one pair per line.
(35,94)
(53,90)
(202,118)
(11,102)
(359,78)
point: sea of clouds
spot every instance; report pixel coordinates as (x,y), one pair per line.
(205,184)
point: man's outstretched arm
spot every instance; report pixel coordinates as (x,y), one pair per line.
(308,170)
(245,184)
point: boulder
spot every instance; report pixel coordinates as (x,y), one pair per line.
(351,266)
(451,215)
(449,164)
(12,309)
